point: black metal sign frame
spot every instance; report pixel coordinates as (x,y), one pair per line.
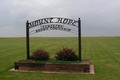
(53,20)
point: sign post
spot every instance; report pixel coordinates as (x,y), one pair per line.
(27,39)
(79,38)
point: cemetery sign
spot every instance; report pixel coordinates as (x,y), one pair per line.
(50,26)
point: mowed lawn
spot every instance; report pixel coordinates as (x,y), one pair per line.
(103,52)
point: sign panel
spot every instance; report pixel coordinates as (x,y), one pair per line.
(53,20)
(50,27)
(53,27)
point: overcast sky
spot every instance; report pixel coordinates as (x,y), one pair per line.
(98,17)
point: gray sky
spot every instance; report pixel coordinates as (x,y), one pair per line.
(98,17)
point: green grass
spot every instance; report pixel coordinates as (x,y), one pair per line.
(103,52)
(50,61)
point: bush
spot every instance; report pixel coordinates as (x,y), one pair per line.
(40,54)
(66,55)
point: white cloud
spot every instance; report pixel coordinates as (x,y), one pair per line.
(48,2)
(96,15)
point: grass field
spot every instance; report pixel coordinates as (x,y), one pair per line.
(103,52)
